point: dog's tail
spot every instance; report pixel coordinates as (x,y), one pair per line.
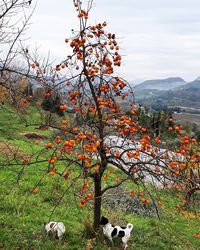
(130,226)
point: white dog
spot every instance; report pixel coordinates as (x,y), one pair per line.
(56,229)
(111,231)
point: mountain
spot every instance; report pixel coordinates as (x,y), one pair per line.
(161,84)
(198,79)
(135,82)
(193,85)
(170,92)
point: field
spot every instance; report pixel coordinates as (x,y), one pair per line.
(187,117)
(23,213)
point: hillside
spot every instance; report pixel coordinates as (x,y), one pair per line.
(185,95)
(21,224)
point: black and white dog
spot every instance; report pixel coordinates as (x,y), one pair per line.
(55,229)
(111,231)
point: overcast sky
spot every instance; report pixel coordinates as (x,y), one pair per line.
(158,38)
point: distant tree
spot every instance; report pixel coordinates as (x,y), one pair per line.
(39,93)
(15,68)
(13,22)
(198,135)
(4,94)
(47,104)
(28,90)
(52,104)
(56,106)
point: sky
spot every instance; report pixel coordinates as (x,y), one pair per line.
(157,38)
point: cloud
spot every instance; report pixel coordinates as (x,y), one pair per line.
(158,38)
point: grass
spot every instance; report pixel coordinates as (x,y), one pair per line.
(23,214)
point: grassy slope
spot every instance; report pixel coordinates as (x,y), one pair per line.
(22,213)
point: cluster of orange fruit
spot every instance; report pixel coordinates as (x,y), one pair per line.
(91,147)
(158,140)
(186,140)
(105,88)
(197,235)
(69,144)
(133,111)
(77,43)
(85,187)
(117,154)
(108,70)
(177,166)
(97,31)
(63,107)
(145,143)
(53,160)
(73,96)
(81,137)
(58,140)
(143,199)
(34,190)
(82,157)
(63,125)
(84,200)
(36,66)
(83,14)
(60,66)
(133,155)
(37,142)
(47,94)
(53,171)
(49,146)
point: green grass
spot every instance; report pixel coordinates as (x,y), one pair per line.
(22,213)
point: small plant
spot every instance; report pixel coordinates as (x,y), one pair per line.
(88,230)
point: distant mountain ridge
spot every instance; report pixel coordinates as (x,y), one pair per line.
(197,79)
(194,84)
(161,84)
(172,91)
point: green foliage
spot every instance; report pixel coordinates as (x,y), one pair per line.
(198,135)
(52,104)
(28,91)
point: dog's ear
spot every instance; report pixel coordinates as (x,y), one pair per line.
(103,221)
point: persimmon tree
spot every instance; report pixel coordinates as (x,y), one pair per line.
(189,148)
(106,135)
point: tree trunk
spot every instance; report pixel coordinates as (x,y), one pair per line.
(189,194)
(188,199)
(97,202)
